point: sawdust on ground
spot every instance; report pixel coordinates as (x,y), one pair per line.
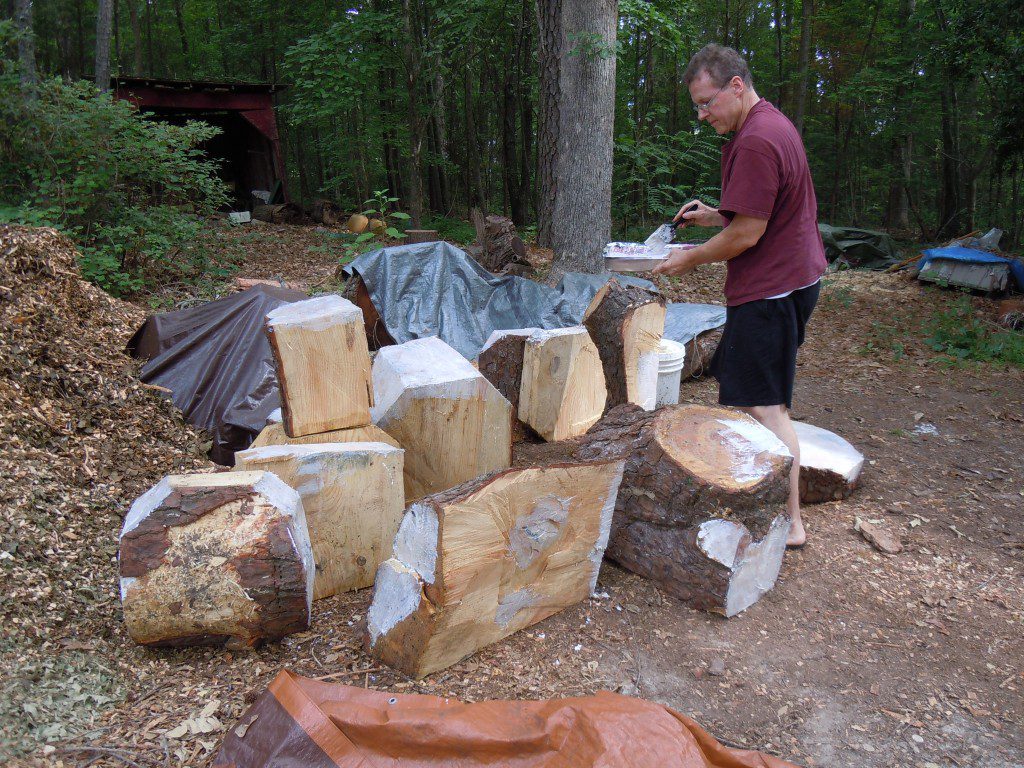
(855,658)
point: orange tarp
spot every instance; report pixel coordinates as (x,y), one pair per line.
(304,723)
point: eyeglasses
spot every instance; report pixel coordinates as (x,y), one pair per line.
(706,106)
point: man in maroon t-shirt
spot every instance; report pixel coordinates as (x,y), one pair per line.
(770,242)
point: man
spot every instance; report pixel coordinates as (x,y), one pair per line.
(770,242)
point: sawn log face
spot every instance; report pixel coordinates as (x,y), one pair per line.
(478,562)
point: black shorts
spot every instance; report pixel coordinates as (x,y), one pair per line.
(755,362)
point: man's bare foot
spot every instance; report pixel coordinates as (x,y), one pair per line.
(797,535)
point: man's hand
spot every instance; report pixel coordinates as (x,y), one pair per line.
(701,216)
(679,262)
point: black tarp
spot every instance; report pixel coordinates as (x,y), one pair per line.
(847,247)
(217,362)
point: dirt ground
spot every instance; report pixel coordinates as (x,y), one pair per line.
(854,659)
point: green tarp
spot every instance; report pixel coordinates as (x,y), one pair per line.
(849,247)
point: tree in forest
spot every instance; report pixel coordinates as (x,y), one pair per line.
(104,19)
(26,45)
(576,54)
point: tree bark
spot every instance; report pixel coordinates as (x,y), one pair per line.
(26,47)
(803,66)
(577,85)
(412,66)
(104,18)
(133,20)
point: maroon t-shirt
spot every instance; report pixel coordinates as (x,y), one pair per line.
(765,175)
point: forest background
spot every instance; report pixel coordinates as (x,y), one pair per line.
(911,110)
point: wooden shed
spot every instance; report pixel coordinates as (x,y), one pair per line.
(248,147)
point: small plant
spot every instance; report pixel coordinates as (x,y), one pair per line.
(961,336)
(380,209)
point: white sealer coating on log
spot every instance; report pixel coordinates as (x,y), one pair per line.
(826,450)
(397,592)
(316,314)
(502,333)
(416,541)
(750,442)
(422,363)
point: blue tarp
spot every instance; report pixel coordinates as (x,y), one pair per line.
(972,256)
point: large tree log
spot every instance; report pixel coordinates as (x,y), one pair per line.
(500,246)
(218,558)
(452,423)
(481,561)
(281,213)
(326,212)
(626,327)
(353,496)
(552,378)
(323,365)
(829,466)
(702,506)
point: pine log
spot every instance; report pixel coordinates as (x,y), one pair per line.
(501,246)
(563,392)
(488,558)
(353,497)
(274,434)
(702,506)
(216,558)
(452,423)
(357,224)
(501,363)
(323,365)
(281,213)
(627,326)
(829,466)
(326,212)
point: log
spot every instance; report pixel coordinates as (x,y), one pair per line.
(274,434)
(488,558)
(626,326)
(323,365)
(357,224)
(216,558)
(421,236)
(353,497)
(281,213)
(829,466)
(552,378)
(702,506)
(452,423)
(500,244)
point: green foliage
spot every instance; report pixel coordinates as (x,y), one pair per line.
(960,335)
(131,191)
(455,230)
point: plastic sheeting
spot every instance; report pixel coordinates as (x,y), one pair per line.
(851,247)
(972,256)
(217,362)
(684,322)
(303,723)
(436,289)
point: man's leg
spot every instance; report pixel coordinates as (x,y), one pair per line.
(776,418)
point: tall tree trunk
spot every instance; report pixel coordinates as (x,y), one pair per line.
(104,18)
(150,60)
(777,18)
(474,178)
(510,167)
(133,20)
(412,65)
(526,163)
(803,63)
(897,214)
(179,16)
(26,47)
(951,203)
(577,87)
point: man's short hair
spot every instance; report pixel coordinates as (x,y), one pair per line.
(721,63)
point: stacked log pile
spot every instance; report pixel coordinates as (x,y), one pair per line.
(702,506)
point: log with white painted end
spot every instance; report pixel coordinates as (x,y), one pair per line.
(488,558)
(353,496)
(553,378)
(274,434)
(829,466)
(453,424)
(627,327)
(323,365)
(702,506)
(217,558)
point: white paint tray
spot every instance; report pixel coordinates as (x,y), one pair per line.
(636,257)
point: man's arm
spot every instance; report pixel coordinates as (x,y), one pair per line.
(742,233)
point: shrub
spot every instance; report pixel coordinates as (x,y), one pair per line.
(132,191)
(960,335)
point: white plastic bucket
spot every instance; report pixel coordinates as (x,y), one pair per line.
(671,357)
